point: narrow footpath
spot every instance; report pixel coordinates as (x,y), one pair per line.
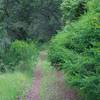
(55,91)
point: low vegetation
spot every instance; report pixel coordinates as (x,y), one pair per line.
(12,85)
(75,50)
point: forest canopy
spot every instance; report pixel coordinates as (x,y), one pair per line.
(31,18)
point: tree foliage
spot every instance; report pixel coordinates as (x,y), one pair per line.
(32,18)
(73,9)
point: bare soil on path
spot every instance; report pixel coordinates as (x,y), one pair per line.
(61,92)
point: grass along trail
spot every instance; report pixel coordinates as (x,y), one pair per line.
(48,84)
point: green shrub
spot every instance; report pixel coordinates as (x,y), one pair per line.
(77,48)
(19,56)
(22,50)
(23,53)
(4,44)
(73,9)
(84,75)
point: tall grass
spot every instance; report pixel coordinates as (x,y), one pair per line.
(12,85)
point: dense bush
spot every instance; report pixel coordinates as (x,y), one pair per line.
(22,50)
(4,44)
(23,54)
(77,48)
(19,55)
(73,9)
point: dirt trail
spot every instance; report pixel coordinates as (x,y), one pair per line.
(61,93)
(33,93)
